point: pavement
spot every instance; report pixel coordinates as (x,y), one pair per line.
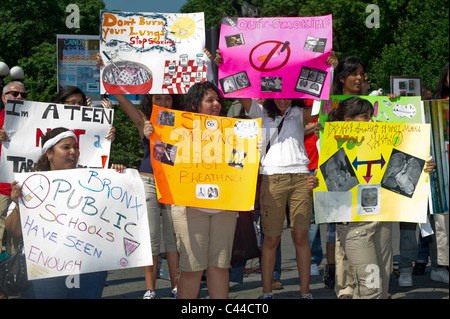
(130,284)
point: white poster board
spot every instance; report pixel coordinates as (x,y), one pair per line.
(26,122)
(152,53)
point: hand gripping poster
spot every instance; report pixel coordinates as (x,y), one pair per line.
(83,220)
(151,53)
(205,161)
(373,171)
(275,57)
(26,122)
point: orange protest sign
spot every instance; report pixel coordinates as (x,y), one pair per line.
(205,161)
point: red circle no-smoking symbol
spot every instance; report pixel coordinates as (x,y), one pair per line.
(270,55)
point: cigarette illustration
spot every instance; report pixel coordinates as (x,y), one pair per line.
(167,155)
(35,191)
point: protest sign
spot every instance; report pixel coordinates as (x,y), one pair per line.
(77,63)
(436,113)
(154,53)
(373,172)
(83,220)
(26,122)
(205,161)
(405,109)
(275,57)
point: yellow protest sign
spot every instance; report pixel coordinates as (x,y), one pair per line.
(373,171)
(205,161)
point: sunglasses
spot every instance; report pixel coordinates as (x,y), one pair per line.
(16,94)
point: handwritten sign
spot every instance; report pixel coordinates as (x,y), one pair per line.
(205,161)
(82,220)
(275,57)
(405,109)
(373,172)
(26,122)
(154,53)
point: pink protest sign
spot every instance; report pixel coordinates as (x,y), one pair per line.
(275,57)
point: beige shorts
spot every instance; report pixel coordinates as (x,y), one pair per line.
(203,239)
(282,191)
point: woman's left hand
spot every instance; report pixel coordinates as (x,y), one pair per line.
(218,59)
(393,97)
(332,59)
(148,129)
(313,181)
(16,192)
(111,134)
(106,103)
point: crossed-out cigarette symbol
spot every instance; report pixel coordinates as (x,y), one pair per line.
(265,62)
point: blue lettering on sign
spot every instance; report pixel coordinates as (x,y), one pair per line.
(81,246)
(96,184)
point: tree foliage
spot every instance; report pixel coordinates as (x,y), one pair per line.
(28,32)
(127,147)
(420,44)
(412,37)
(213,10)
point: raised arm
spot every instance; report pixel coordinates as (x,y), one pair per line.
(136,116)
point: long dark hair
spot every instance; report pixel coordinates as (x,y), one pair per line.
(195,95)
(346,67)
(442,90)
(146,103)
(273,111)
(67,91)
(43,164)
(350,107)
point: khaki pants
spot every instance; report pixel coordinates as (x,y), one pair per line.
(368,250)
(279,191)
(158,213)
(344,280)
